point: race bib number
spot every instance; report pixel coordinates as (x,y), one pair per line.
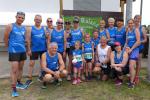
(88,55)
(79,58)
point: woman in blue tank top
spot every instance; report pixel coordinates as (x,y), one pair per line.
(119,59)
(143,39)
(132,41)
(88,50)
(77,33)
(120,32)
(103,31)
(58,35)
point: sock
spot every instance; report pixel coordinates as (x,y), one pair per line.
(13,87)
(18,81)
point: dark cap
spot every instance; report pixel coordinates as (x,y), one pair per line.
(120,19)
(117,44)
(76,19)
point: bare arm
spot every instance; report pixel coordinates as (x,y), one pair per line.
(44,65)
(144,35)
(112,59)
(108,35)
(65,41)
(8,29)
(61,62)
(96,53)
(28,38)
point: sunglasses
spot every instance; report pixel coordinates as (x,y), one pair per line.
(59,23)
(67,23)
(49,21)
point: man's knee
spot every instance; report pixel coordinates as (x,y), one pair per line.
(63,73)
(47,78)
(96,69)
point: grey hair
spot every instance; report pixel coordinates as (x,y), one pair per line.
(53,44)
(38,15)
(111,19)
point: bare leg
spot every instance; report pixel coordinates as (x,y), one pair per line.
(31,65)
(20,68)
(132,64)
(138,67)
(14,73)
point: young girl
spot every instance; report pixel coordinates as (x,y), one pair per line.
(77,63)
(88,50)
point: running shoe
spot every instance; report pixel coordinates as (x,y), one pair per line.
(14,93)
(74,82)
(131,85)
(21,86)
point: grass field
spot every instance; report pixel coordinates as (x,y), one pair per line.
(93,90)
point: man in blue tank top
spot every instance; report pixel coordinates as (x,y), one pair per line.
(14,38)
(58,35)
(143,40)
(120,32)
(36,44)
(52,65)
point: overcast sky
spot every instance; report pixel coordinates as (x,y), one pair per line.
(146,11)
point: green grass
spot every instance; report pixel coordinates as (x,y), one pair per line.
(94,90)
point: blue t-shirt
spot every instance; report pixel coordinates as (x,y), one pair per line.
(16,43)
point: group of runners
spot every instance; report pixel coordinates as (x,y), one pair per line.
(67,51)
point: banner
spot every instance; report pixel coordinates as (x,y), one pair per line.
(88,24)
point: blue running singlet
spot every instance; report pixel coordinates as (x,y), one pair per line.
(121,36)
(58,37)
(112,32)
(17,39)
(76,35)
(52,62)
(38,39)
(88,50)
(77,54)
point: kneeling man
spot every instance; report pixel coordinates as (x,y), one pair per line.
(53,67)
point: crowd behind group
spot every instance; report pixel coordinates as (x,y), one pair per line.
(110,52)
